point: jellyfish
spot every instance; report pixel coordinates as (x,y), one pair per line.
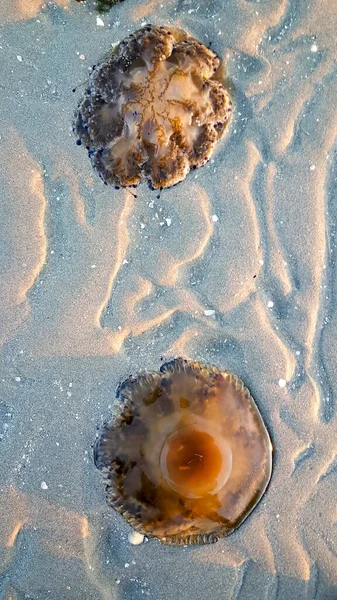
(186,456)
(153,109)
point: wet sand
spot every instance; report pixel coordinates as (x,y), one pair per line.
(96,285)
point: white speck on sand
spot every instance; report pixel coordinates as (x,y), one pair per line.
(135,538)
(99,22)
(127,565)
(44,485)
(214,218)
(19,58)
(282,383)
(314,48)
(209,312)
(270,304)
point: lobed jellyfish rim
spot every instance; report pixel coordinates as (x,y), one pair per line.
(118,502)
(125,166)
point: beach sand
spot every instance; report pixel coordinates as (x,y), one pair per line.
(97,285)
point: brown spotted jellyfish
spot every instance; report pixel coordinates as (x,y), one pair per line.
(187,456)
(153,109)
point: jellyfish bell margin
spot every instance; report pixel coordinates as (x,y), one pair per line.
(153,109)
(186,456)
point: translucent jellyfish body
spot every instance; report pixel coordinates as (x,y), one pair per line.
(153,109)
(187,456)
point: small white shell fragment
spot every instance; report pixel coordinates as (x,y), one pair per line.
(135,538)
(209,312)
(214,218)
(282,383)
(270,304)
(99,22)
(44,485)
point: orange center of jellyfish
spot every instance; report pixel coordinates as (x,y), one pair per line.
(194,463)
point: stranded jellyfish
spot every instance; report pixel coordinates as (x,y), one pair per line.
(187,456)
(153,109)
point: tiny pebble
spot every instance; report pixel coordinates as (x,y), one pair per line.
(19,58)
(168,222)
(18,379)
(214,218)
(282,383)
(99,22)
(314,48)
(44,485)
(135,538)
(209,312)
(127,565)
(270,304)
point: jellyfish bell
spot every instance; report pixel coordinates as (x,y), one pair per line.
(153,109)
(195,462)
(186,456)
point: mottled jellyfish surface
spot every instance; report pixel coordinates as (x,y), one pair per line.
(153,109)
(186,456)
